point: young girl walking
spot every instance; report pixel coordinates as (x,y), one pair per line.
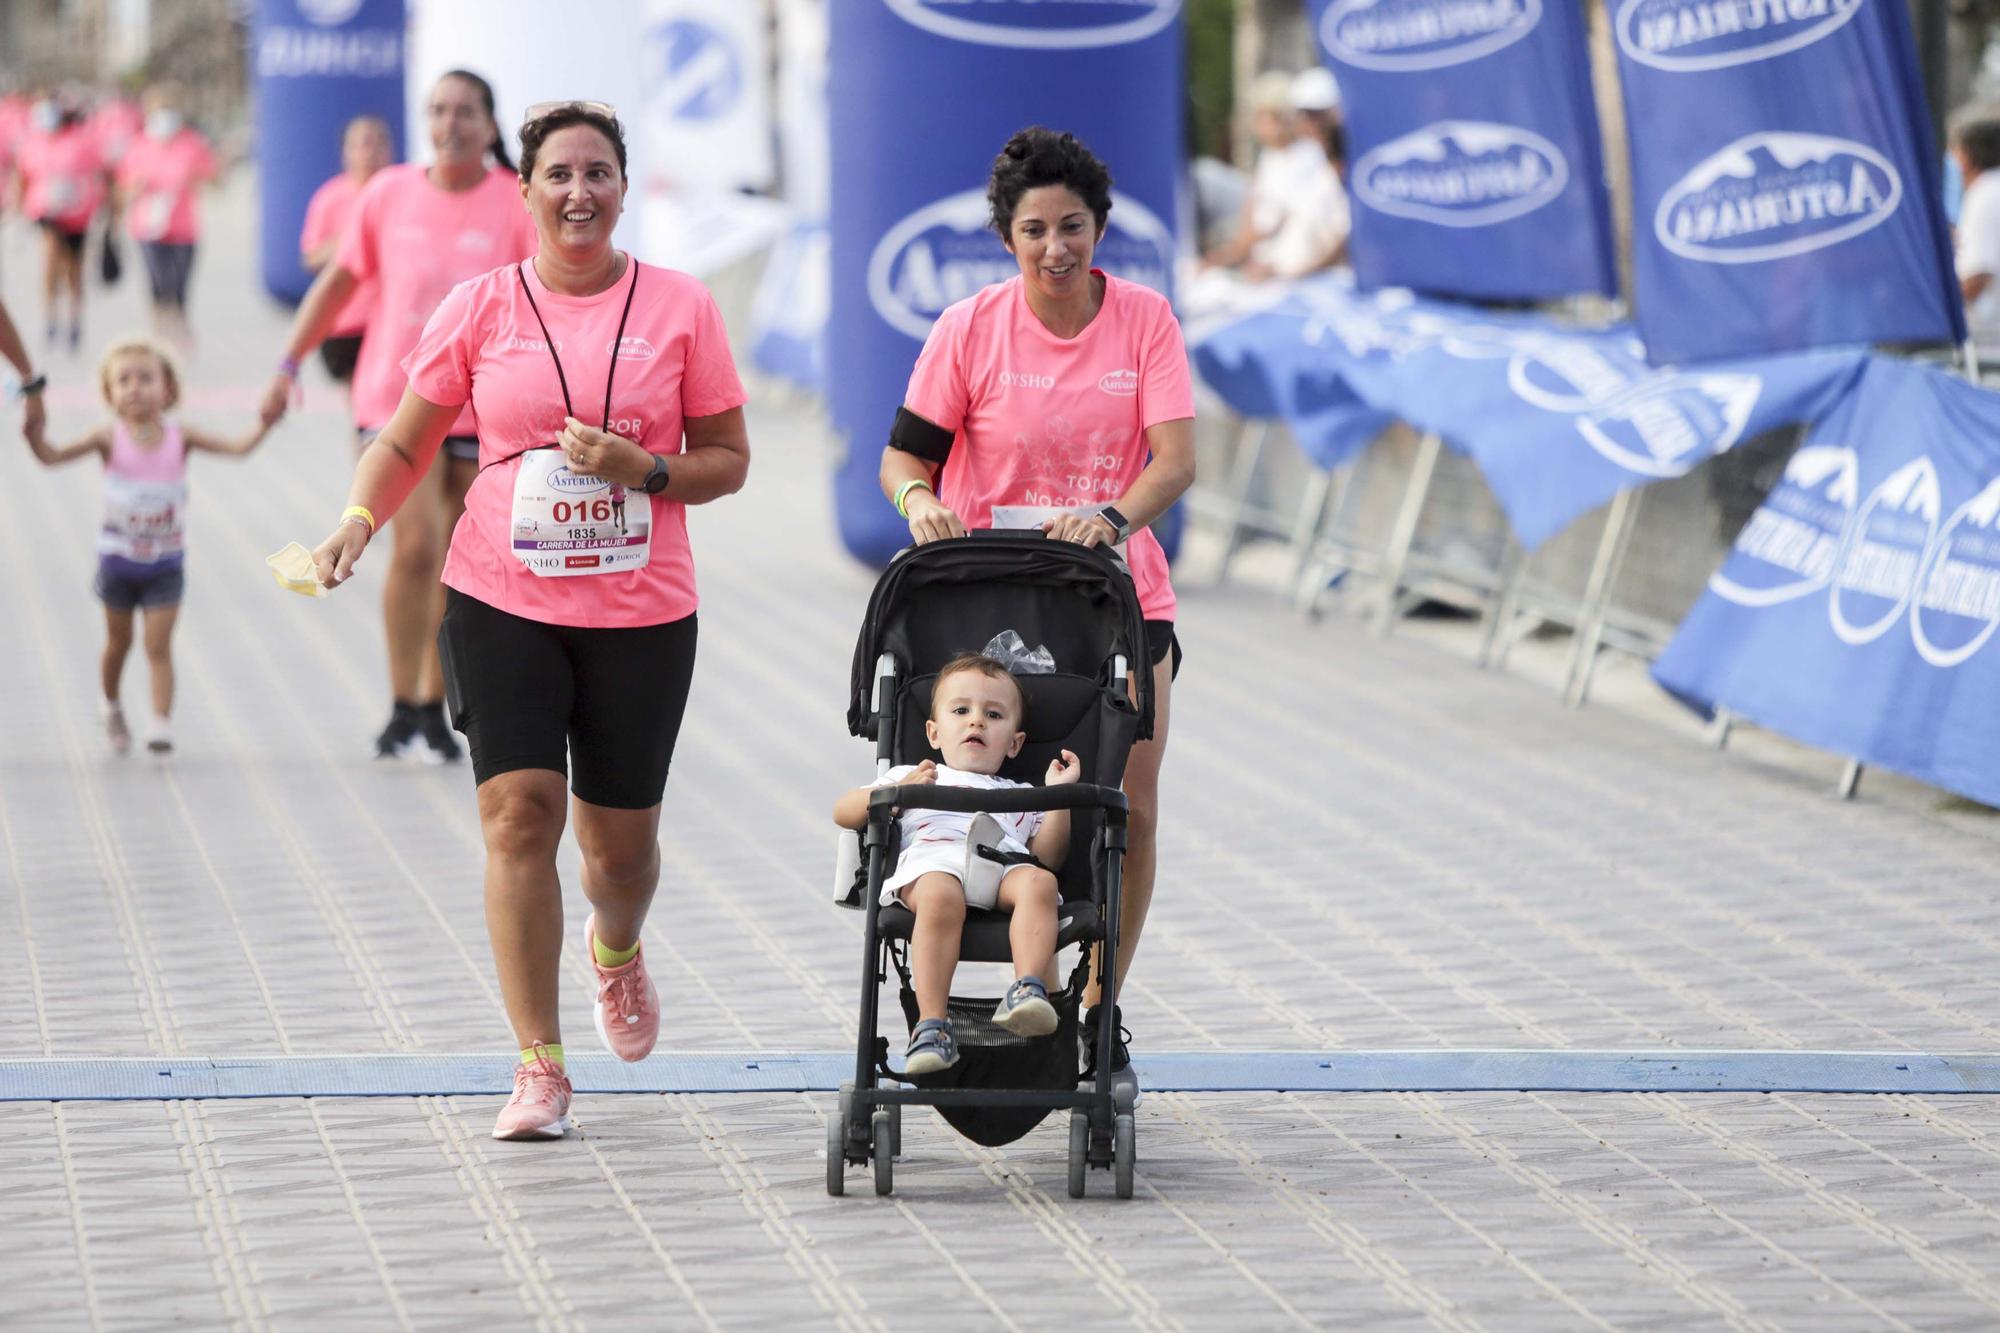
(141,543)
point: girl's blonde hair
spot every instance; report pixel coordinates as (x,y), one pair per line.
(138,345)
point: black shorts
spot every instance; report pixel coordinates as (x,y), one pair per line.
(72,240)
(169,265)
(1161,640)
(339,354)
(125,587)
(530,695)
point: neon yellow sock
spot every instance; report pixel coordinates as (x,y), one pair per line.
(555,1053)
(612,957)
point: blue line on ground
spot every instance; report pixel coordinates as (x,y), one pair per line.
(175,1078)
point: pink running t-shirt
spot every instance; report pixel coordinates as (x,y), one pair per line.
(1042,420)
(65,177)
(328,213)
(484,347)
(420,241)
(162,178)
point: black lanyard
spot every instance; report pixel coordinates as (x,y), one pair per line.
(521,272)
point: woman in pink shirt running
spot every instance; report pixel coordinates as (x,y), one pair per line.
(607,404)
(62,187)
(418,232)
(160,179)
(1061,388)
(365,148)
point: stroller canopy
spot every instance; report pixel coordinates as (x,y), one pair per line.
(949,597)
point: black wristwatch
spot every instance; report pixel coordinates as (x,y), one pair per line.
(656,480)
(1119,523)
(29,388)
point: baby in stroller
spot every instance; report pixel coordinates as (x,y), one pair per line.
(978,721)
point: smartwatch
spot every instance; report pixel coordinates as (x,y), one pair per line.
(656,480)
(1119,523)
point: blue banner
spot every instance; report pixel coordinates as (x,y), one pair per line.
(1856,611)
(1474,162)
(317,65)
(1558,419)
(1784,190)
(788,317)
(923,95)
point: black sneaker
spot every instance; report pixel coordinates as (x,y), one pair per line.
(437,744)
(1087,1033)
(400,735)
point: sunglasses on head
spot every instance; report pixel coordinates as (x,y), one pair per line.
(542,110)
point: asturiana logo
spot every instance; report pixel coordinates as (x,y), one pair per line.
(1665,427)
(634,349)
(1461,173)
(1775,194)
(1958,592)
(944,252)
(1876,574)
(562,479)
(1683,36)
(1404,35)
(1120,383)
(1789,546)
(1050,25)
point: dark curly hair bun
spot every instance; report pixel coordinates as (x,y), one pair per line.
(1038,156)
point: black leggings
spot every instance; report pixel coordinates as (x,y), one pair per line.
(529,695)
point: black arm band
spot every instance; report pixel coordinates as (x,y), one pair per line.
(913,435)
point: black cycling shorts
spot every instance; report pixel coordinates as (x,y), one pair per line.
(338,354)
(532,695)
(1161,640)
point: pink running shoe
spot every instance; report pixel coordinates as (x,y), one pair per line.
(628,1008)
(539,1108)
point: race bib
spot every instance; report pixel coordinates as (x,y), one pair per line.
(156,212)
(564,525)
(60,194)
(142,519)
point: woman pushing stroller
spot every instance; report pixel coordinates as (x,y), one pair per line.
(977,722)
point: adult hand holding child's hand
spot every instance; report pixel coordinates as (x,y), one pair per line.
(1063,770)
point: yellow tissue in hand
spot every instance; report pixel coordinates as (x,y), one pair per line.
(293,569)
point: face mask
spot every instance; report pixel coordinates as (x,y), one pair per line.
(163,124)
(45,116)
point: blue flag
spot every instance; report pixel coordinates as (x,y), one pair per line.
(1784,190)
(1474,162)
(1558,419)
(1857,609)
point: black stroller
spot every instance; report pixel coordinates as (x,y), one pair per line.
(932,603)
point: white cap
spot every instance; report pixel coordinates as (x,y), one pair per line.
(1315,90)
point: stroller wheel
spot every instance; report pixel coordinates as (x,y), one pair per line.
(1079,1150)
(882,1143)
(836,1144)
(1124,1150)
(895,1110)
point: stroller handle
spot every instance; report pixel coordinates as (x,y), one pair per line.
(979,800)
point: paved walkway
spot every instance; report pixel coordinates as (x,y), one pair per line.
(1370,845)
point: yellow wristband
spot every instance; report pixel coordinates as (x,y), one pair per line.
(360,512)
(903,494)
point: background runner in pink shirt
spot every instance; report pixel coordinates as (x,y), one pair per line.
(599,384)
(159,183)
(365,148)
(62,179)
(1061,387)
(418,231)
